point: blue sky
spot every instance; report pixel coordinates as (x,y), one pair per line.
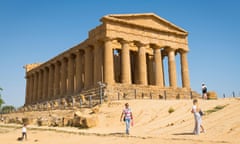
(37,30)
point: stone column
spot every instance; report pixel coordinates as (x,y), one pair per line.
(172,68)
(88,67)
(108,62)
(125,63)
(51,81)
(45,83)
(97,63)
(164,79)
(79,71)
(28,89)
(40,84)
(184,70)
(34,87)
(57,79)
(142,65)
(159,67)
(150,70)
(63,77)
(70,75)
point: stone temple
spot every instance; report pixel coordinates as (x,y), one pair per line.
(123,56)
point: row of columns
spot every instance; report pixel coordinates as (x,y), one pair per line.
(84,68)
(58,79)
(142,69)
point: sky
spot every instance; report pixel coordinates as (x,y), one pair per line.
(37,30)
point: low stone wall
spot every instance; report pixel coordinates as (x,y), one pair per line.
(91,97)
(123,91)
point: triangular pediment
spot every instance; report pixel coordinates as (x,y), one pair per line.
(147,20)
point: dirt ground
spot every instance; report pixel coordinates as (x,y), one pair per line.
(152,124)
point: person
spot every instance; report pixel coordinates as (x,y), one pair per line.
(24,132)
(127,117)
(197,117)
(204,91)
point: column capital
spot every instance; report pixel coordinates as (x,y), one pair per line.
(70,55)
(105,39)
(140,44)
(182,51)
(123,41)
(96,43)
(64,59)
(169,49)
(157,46)
(79,52)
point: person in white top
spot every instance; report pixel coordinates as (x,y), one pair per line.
(127,117)
(197,117)
(24,132)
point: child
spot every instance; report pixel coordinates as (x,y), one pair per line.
(24,132)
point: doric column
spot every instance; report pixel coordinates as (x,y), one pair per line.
(88,67)
(79,71)
(184,70)
(142,65)
(45,83)
(150,70)
(56,80)
(172,68)
(70,74)
(63,77)
(28,89)
(50,81)
(97,63)
(159,67)
(125,63)
(40,85)
(34,88)
(108,62)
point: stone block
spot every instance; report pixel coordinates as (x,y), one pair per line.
(212,95)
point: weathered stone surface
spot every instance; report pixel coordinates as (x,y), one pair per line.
(96,109)
(84,120)
(212,95)
(89,121)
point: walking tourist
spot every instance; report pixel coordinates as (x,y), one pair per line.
(204,91)
(197,117)
(127,117)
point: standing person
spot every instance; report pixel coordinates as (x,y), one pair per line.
(197,117)
(24,132)
(127,117)
(204,91)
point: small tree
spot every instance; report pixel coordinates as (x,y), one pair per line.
(8,109)
(1,100)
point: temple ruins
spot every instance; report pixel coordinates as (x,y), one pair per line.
(122,58)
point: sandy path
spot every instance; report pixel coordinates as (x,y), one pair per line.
(152,124)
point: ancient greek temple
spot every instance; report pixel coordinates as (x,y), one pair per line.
(125,52)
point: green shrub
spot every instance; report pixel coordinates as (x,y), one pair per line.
(215,109)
